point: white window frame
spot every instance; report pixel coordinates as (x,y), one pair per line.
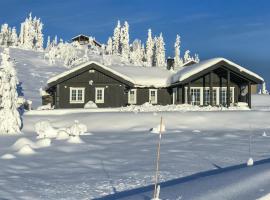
(135,96)
(232,89)
(156,96)
(96,95)
(76,89)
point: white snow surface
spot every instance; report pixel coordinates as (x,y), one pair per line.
(186,72)
(121,153)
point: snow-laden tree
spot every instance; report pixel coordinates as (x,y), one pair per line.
(48,42)
(116,38)
(124,41)
(4,35)
(264,90)
(197,59)
(55,41)
(160,52)
(31,36)
(177,59)
(109,47)
(14,37)
(187,56)
(149,49)
(137,53)
(65,52)
(9,115)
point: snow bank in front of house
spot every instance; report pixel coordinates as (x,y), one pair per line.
(75,140)
(26,150)
(90,105)
(181,107)
(8,156)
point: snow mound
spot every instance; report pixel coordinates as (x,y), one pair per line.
(8,156)
(45,130)
(45,142)
(78,128)
(62,135)
(23,142)
(45,107)
(75,140)
(147,107)
(26,150)
(196,131)
(158,128)
(250,162)
(264,134)
(90,104)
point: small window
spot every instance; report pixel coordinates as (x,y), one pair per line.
(99,96)
(132,96)
(76,95)
(153,96)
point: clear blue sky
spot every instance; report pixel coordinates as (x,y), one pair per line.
(236,29)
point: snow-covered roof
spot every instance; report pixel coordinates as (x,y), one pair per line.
(191,70)
(79,36)
(137,75)
(154,76)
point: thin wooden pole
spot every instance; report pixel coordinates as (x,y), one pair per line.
(158,159)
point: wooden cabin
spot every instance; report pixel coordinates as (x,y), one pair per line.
(215,82)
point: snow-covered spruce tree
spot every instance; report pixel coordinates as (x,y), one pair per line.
(149,49)
(177,59)
(187,56)
(31,36)
(48,42)
(137,53)
(55,41)
(14,37)
(197,59)
(4,35)
(264,90)
(124,41)
(109,47)
(10,121)
(116,38)
(160,52)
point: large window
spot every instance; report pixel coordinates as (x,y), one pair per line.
(76,95)
(195,96)
(153,96)
(132,96)
(224,96)
(99,95)
(207,96)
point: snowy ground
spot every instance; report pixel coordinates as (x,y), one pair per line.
(200,158)
(120,155)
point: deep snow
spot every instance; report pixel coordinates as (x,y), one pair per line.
(120,153)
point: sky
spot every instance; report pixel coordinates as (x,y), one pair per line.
(238,30)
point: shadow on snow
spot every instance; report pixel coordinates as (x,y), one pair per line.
(145,193)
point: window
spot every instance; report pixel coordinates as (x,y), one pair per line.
(99,95)
(224,96)
(207,96)
(76,95)
(153,96)
(195,96)
(132,96)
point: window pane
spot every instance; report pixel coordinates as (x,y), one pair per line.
(73,95)
(79,95)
